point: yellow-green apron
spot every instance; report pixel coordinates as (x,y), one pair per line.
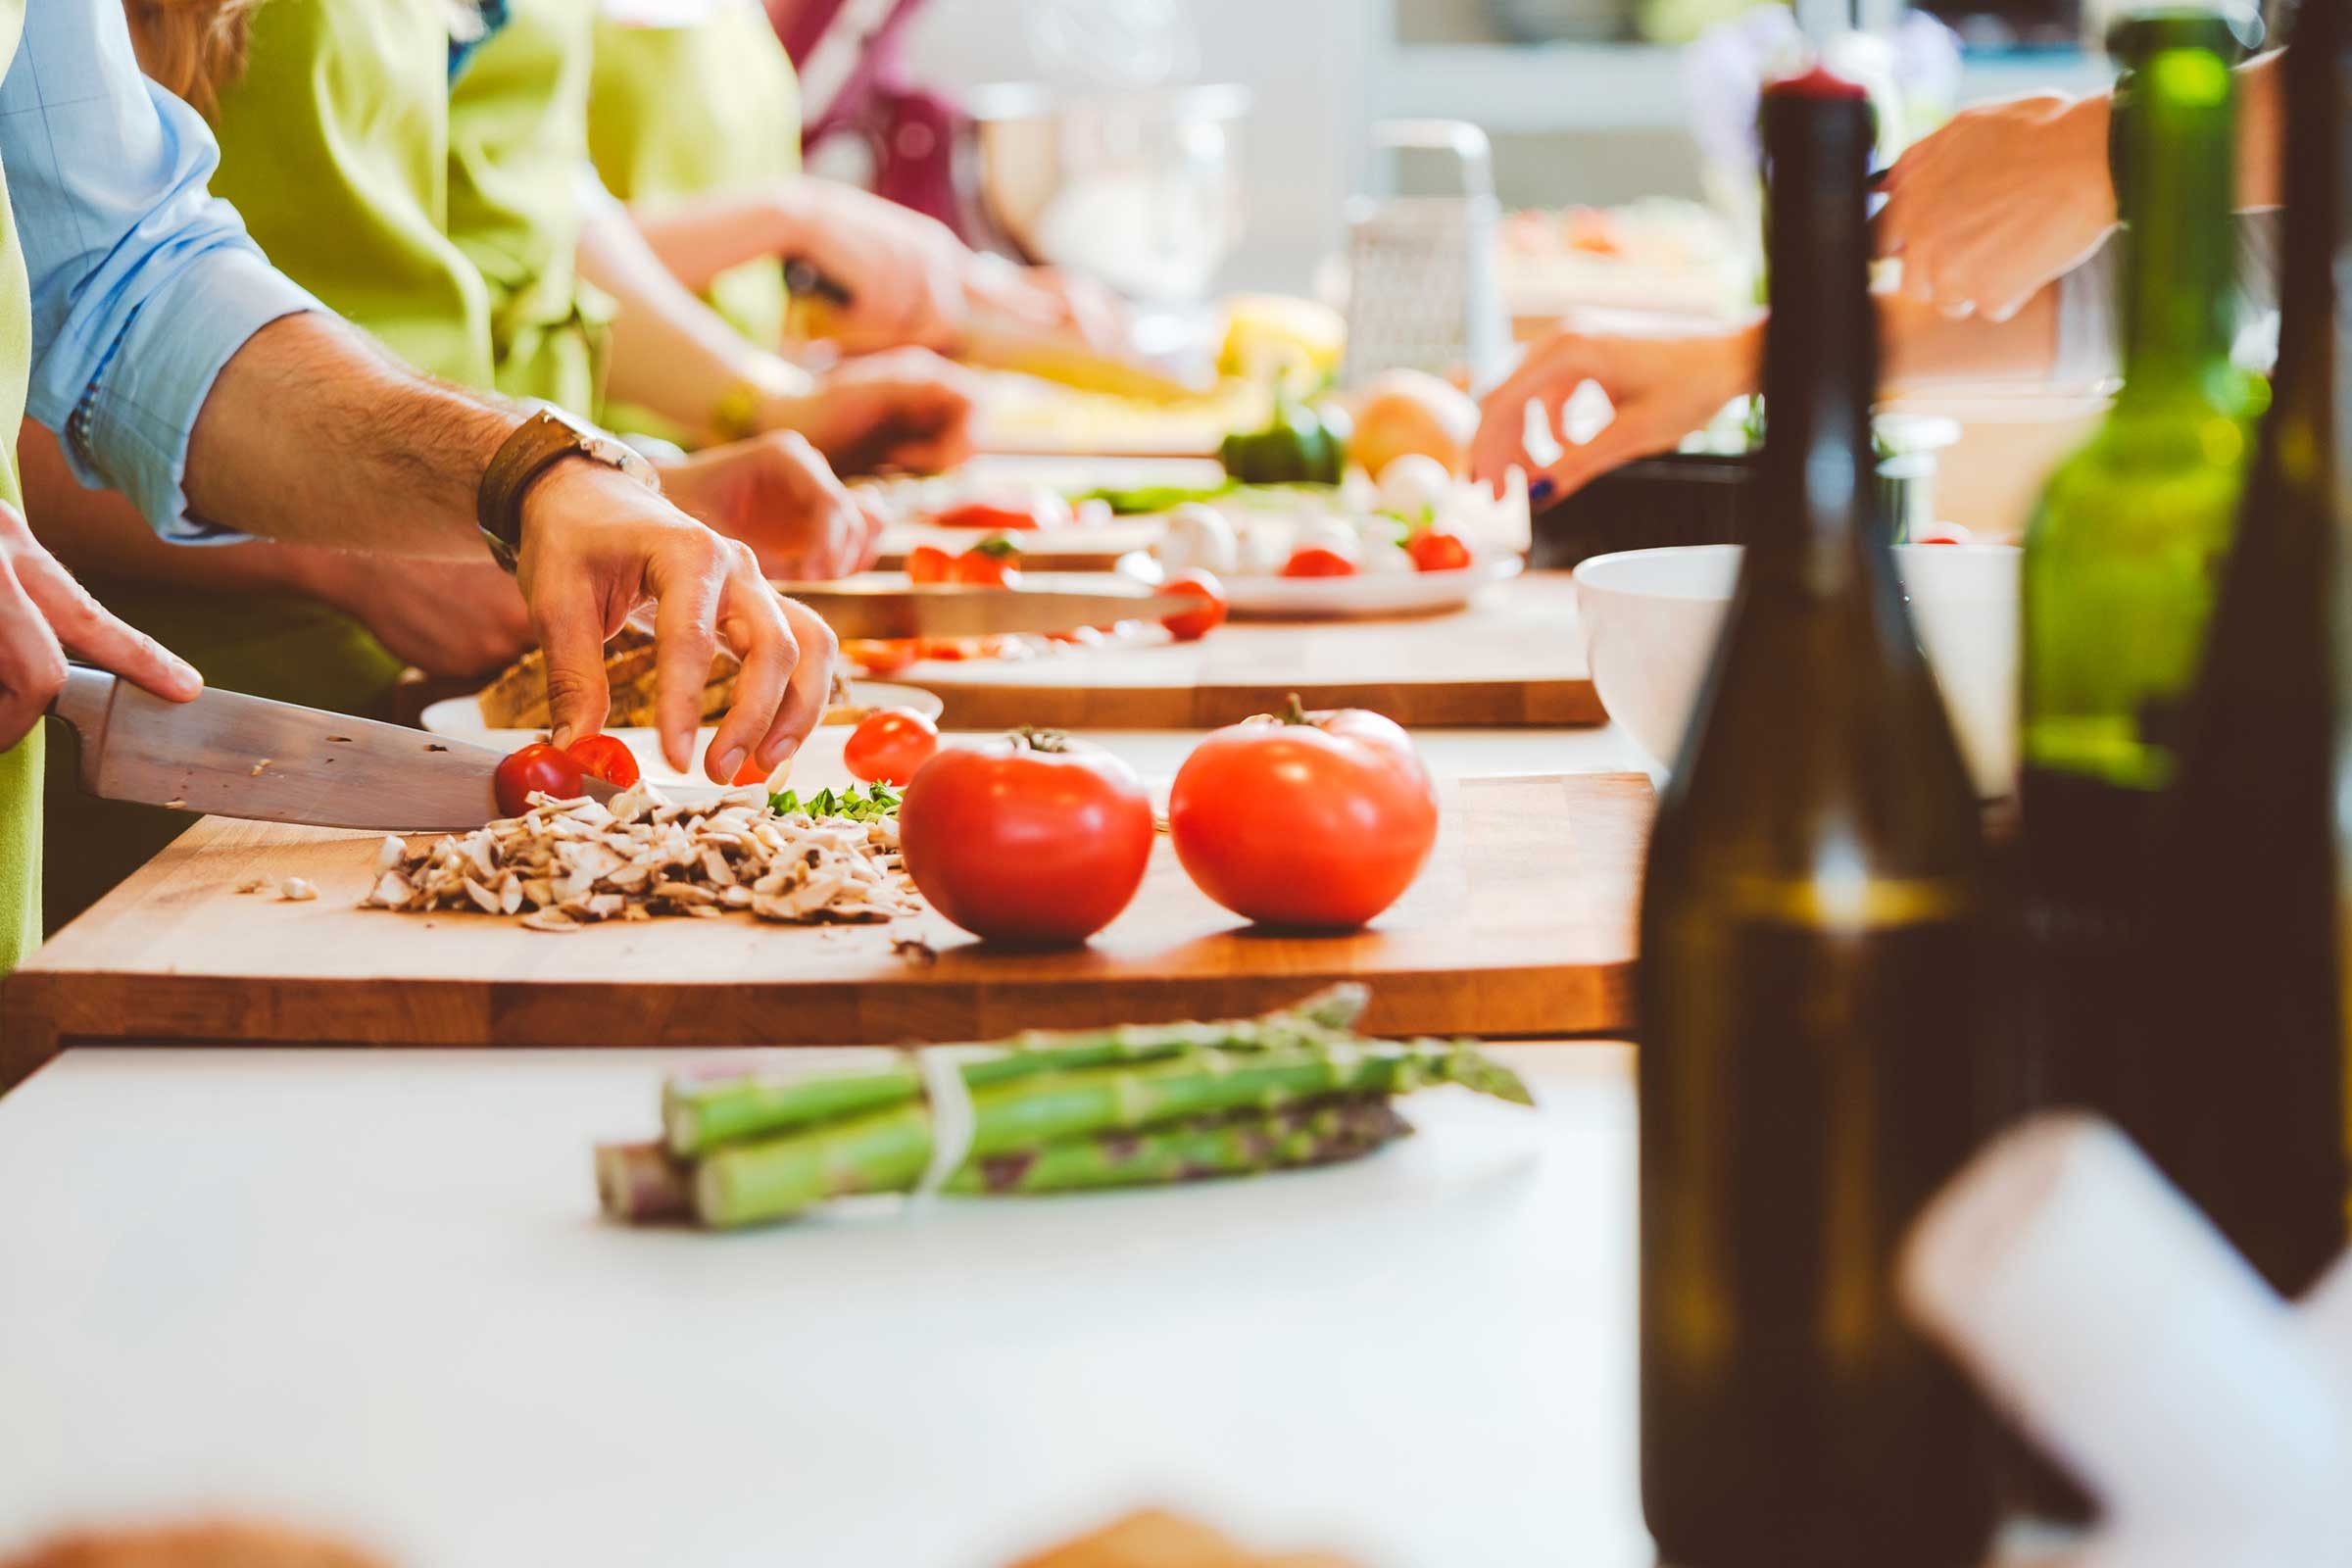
(518,140)
(710,105)
(21,767)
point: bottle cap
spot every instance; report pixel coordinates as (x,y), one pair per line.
(1818,83)
(2115,1326)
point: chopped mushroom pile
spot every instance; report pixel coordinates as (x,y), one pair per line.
(569,862)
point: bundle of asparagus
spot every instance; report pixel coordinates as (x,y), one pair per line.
(1049,1112)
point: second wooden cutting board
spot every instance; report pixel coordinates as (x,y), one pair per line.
(1514,657)
(1523,924)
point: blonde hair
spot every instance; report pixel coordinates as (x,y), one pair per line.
(195,48)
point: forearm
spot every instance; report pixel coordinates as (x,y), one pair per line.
(698,240)
(99,533)
(1922,347)
(2261,132)
(671,353)
(313,435)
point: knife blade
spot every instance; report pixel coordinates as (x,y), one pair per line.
(230,755)
(887,609)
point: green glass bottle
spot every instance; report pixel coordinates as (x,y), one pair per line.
(1808,1064)
(2120,577)
(2241,1095)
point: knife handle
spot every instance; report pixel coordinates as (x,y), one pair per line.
(82,704)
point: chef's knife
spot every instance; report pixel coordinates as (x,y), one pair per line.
(236,755)
(885,610)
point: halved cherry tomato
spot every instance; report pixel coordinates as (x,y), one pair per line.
(881,655)
(1033,839)
(929,563)
(984,514)
(1190,625)
(1316,561)
(993,562)
(1435,549)
(945,650)
(602,757)
(750,772)
(1314,821)
(888,745)
(537,768)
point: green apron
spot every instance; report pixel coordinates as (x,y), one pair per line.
(712,105)
(518,140)
(21,767)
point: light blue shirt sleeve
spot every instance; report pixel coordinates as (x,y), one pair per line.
(143,284)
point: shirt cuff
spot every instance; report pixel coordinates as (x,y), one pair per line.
(2088,350)
(130,429)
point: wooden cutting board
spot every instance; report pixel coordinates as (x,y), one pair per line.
(1523,924)
(1514,657)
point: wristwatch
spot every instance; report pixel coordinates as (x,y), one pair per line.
(537,445)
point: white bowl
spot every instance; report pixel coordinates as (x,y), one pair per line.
(1652,617)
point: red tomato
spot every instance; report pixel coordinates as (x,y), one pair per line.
(889,745)
(1031,839)
(750,772)
(945,650)
(602,757)
(1190,625)
(984,514)
(1435,549)
(538,766)
(1316,561)
(881,657)
(1319,820)
(1943,533)
(929,563)
(983,569)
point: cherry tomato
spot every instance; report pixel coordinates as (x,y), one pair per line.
(1033,839)
(985,515)
(929,563)
(540,768)
(945,650)
(750,772)
(1435,549)
(1316,561)
(888,745)
(1190,625)
(1314,821)
(1943,533)
(881,655)
(987,569)
(602,757)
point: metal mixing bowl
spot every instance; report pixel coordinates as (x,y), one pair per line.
(1141,190)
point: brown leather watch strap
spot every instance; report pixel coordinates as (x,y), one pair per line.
(537,445)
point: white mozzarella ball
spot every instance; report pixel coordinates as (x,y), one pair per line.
(1413,482)
(1198,536)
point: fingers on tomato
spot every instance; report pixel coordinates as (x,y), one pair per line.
(1026,846)
(536,768)
(602,757)
(889,746)
(1190,625)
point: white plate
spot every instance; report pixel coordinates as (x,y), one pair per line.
(1367,594)
(818,767)
(1103,541)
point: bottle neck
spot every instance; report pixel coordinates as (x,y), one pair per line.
(2180,241)
(2299,432)
(1820,514)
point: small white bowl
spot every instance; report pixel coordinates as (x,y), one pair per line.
(1652,617)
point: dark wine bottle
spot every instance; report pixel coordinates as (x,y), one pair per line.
(2119,580)
(2241,1098)
(1809,1071)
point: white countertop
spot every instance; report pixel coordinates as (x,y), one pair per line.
(371,1292)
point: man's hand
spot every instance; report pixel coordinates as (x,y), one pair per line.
(2005,197)
(908,409)
(446,617)
(595,545)
(1662,388)
(45,614)
(775,494)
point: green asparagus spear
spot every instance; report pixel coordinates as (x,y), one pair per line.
(641,1182)
(702,1112)
(1238,1144)
(886,1150)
